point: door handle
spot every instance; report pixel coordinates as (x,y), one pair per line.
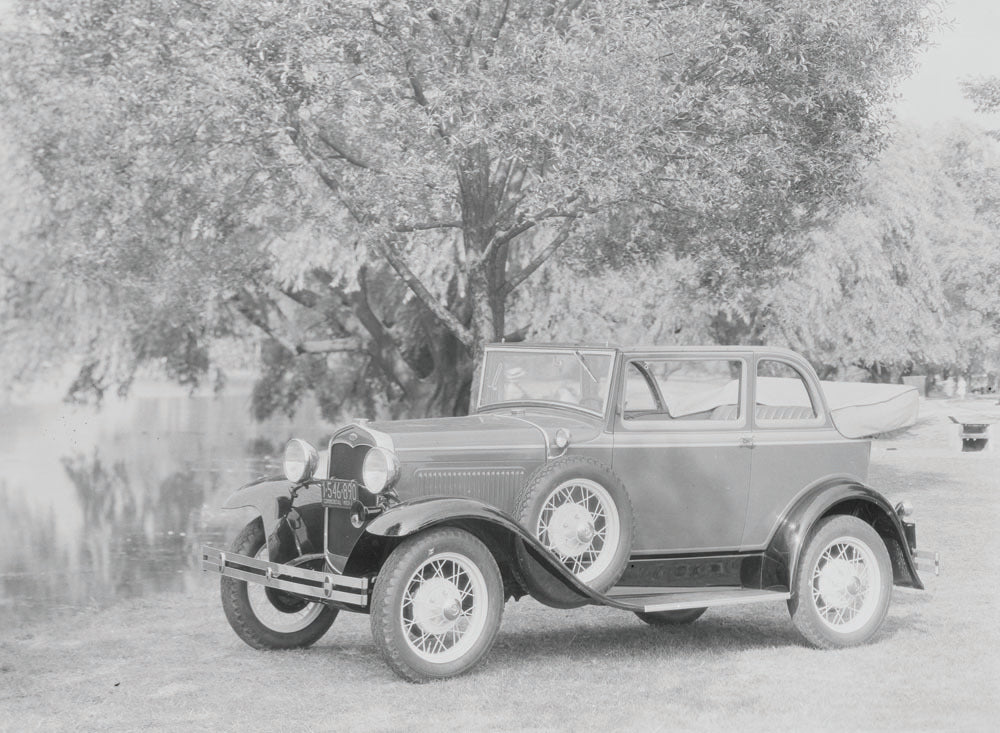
(746,442)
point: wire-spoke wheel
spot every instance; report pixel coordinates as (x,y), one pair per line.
(437,605)
(843,583)
(580,511)
(266,618)
(579,523)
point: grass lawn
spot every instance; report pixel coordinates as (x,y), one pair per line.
(172,662)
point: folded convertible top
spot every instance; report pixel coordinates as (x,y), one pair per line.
(858,409)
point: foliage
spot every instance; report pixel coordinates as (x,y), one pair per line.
(984,92)
(370,184)
(905,278)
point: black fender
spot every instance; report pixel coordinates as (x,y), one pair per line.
(291,530)
(836,496)
(495,528)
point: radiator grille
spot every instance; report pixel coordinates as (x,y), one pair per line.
(496,486)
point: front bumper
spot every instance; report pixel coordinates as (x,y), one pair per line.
(321,586)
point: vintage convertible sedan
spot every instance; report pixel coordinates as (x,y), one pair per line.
(659,481)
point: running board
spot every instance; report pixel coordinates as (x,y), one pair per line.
(647,599)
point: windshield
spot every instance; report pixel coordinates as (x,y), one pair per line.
(576,377)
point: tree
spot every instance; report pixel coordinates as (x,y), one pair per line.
(984,92)
(903,278)
(372,184)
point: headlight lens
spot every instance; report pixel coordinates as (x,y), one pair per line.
(380,470)
(300,461)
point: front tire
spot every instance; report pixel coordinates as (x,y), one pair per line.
(843,584)
(266,618)
(437,604)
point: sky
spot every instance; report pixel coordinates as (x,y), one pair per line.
(968,47)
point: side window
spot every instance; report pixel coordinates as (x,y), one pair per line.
(692,389)
(781,394)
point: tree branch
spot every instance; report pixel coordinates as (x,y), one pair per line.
(524,225)
(541,257)
(328,346)
(245,308)
(342,152)
(494,36)
(394,257)
(424,226)
(415,85)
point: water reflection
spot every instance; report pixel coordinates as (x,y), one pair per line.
(100,506)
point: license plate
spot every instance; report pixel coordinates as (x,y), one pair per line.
(339,493)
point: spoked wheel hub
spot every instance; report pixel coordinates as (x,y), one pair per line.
(437,604)
(842,582)
(443,612)
(579,523)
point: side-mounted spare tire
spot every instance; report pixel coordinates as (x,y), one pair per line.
(580,510)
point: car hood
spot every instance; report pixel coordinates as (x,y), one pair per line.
(520,433)
(487,455)
(504,437)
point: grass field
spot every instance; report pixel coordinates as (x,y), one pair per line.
(172,663)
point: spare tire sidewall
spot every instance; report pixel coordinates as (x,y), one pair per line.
(539,580)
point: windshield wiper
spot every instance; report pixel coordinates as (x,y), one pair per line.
(583,363)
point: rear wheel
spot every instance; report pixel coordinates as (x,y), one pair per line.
(266,618)
(437,604)
(671,618)
(843,584)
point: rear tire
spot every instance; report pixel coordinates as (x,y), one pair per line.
(266,618)
(843,584)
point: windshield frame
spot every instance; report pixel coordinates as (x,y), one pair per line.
(572,352)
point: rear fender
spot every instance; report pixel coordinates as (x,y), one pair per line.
(496,529)
(291,531)
(836,496)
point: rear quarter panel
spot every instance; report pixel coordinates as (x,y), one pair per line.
(787,464)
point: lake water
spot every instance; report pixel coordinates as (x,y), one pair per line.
(101,505)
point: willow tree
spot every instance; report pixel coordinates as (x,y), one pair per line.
(371,184)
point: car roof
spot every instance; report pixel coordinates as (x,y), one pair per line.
(651,349)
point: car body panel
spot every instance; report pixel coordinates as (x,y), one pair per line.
(712,498)
(788,462)
(488,456)
(691,489)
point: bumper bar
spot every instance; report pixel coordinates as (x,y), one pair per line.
(290,578)
(927,560)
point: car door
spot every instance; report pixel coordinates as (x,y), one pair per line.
(795,444)
(681,446)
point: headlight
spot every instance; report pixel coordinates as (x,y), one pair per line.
(300,461)
(380,470)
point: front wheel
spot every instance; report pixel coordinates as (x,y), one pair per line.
(843,584)
(437,604)
(266,618)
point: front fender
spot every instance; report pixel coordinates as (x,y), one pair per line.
(290,531)
(836,496)
(486,522)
